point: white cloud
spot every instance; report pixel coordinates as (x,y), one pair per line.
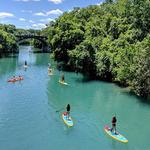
(31,21)
(40,14)
(46,20)
(22,19)
(5,15)
(27,27)
(54,12)
(27,0)
(70,10)
(51,12)
(99,3)
(38,26)
(56,1)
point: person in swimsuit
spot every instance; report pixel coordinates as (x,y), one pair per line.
(114,120)
(68,110)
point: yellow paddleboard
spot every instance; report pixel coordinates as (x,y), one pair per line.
(25,66)
(50,73)
(62,82)
(116,136)
(67,121)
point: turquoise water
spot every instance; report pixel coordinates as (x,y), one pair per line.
(28,117)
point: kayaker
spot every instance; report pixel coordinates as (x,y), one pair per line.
(14,78)
(20,78)
(68,110)
(114,120)
(63,78)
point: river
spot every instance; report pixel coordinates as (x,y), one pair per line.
(28,109)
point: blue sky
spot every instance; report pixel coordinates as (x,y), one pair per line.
(36,13)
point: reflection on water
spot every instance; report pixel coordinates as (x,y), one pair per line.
(8,64)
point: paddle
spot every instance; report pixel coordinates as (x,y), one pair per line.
(59,109)
(64,108)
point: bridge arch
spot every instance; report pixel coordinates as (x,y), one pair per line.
(40,38)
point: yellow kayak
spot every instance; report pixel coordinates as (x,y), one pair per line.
(62,82)
(67,121)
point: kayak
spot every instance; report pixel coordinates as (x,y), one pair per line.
(62,82)
(67,121)
(116,136)
(11,80)
(19,78)
(15,79)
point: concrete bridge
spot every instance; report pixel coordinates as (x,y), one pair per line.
(40,38)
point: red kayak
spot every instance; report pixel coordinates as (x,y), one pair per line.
(15,79)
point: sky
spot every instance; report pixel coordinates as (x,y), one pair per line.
(36,13)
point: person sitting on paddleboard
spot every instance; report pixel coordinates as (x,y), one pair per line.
(68,110)
(49,69)
(114,120)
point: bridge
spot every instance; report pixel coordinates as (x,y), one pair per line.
(40,38)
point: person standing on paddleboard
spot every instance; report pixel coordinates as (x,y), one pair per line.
(114,120)
(25,63)
(63,78)
(68,110)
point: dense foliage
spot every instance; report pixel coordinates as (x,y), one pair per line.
(110,41)
(7,39)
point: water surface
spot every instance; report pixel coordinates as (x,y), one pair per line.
(28,117)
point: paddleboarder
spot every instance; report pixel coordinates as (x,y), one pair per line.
(25,63)
(68,110)
(63,78)
(114,120)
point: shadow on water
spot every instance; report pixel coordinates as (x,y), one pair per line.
(140,99)
(8,64)
(125,90)
(86,79)
(9,55)
(83,80)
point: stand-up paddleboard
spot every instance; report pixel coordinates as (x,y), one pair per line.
(25,66)
(50,73)
(67,121)
(116,136)
(62,82)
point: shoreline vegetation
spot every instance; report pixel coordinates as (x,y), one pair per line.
(109,42)
(8,39)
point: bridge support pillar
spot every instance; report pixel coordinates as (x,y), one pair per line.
(45,48)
